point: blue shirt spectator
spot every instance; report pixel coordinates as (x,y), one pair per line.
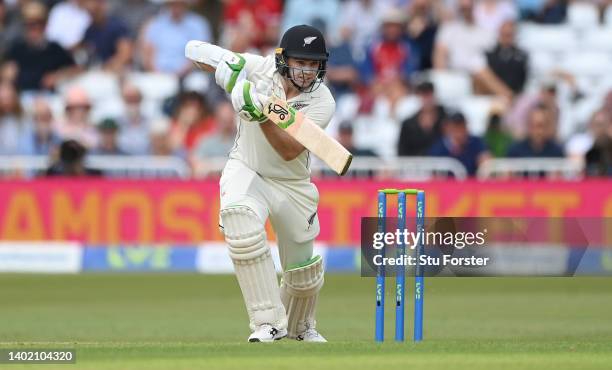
(459,144)
(107,38)
(342,69)
(13,123)
(41,139)
(133,137)
(167,34)
(529,7)
(539,141)
(553,12)
(526,149)
(310,12)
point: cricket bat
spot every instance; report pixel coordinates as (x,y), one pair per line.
(207,56)
(308,133)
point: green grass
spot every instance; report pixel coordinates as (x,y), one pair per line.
(198,321)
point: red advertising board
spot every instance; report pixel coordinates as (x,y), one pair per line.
(186,212)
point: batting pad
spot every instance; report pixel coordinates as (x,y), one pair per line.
(300,288)
(245,234)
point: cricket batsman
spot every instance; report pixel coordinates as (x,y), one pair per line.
(268,176)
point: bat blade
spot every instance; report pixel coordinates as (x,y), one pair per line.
(309,134)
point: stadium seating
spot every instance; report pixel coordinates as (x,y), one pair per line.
(608,16)
(582,15)
(451,86)
(477,110)
(598,38)
(155,86)
(554,39)
(99,85)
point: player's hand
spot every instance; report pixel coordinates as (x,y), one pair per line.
(230,70)
(246,102)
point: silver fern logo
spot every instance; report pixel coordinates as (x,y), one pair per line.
(299,105)
(309,40)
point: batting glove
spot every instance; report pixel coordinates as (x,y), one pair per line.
(246,102)
(230,70)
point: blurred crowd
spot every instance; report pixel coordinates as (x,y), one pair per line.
(389,62)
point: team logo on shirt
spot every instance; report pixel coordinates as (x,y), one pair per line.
(299,105)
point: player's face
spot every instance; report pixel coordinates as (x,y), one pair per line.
(303,71)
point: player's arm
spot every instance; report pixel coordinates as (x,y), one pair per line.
(230,74)
(285,145)
(249,105)
(229,67)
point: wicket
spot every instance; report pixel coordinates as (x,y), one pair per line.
(419,281)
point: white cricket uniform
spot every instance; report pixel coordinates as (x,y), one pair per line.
(258,177)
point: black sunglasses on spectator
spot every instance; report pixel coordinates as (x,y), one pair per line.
(78,106)
(35,24)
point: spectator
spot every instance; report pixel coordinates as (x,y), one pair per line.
(497,138)
(423,129)
(393,101)
(491,14)
(378,127)
(252,23)
(71,161)
(518,117)
(166,35)
(67,24)
(607,105)
(10,27)
(599,157)
(459,144)
(581,142)
(34,62)
(107,145)
(553,12)
(345,137)
(342,71)
(461,45)
(135,13)
(507,61)
(529,8)
(12,122)
(191,122)
(107,39)
(134,125)
(392,56)
(160,140)
(42,139)
(299,12)
(221,141)
(369,13)
(423,18)
(77,124)
(540,140)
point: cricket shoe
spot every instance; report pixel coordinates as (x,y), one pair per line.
(311,335)
(267,333)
